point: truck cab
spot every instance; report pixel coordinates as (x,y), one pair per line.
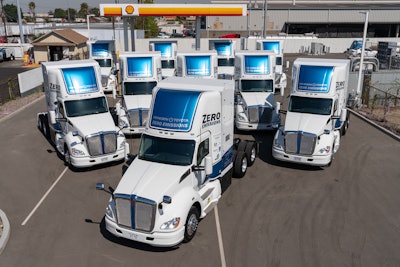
(276,46)
(317,116)
(255,106)
(186,158)
(197,65)
(226,57)
(168,50)
(77,120)
(103,51)
(140,73)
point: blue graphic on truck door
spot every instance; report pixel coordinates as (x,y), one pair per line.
(100,50)
(274,46)
(315,78)
(165,49)
(256,64)
(174,110)
(198,65)
(223,49)
(80,80)
(140,67)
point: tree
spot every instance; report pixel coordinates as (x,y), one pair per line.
(147,23)
(84,11)
(71,13)
(32,7)
(95,11)
(60,13)
(11,14)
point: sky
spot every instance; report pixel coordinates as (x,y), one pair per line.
(44,6)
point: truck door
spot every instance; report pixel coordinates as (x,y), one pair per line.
(203,150)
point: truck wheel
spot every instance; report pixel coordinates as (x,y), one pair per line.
(251,153)
(240,164)
(43,126)
(191,225)
(67,157)
(345,124)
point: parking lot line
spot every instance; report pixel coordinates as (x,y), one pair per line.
(44,197)
(220,243)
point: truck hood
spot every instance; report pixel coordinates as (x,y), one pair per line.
(86,125)
(256,99)
(150,180)
(105,71)
(305,122)
(137,101)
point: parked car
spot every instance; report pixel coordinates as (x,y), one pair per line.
(230,35)
(163,35)
(177,35)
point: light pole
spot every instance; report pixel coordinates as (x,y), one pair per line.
(360,69)
(88,24)
(265,19)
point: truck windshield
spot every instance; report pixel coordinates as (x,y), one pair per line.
(168,151)
(168,64)
(257,86)
(76,108)
(320,106)
(104,62)
(226,62)
(139,88)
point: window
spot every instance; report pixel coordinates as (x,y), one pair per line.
(203,151)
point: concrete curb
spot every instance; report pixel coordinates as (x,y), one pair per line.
(6,231)
(386,131)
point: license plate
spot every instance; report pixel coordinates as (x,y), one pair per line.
(297,158)
(104,159)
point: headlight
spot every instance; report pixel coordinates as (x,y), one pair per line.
(241,117)
(325,150)
(171,224)
(110,209)
(77,152)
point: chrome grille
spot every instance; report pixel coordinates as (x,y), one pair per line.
(260,114)
(104,81)
(135,212)
(102,143)
(300,143)
(138,117)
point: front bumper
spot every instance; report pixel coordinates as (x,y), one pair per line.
(300,159)
(82,162)
(168,239)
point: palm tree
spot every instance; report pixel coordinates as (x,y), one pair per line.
(32,7)
(84,10)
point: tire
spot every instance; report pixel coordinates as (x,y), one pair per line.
(43,126)
(346,124)
(240,164)
(67,157)
(192,222)
(251,153)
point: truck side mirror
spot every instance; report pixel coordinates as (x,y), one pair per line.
(52,115)
(118,108)
(208,165)
(343,115)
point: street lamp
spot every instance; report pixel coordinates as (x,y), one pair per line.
(360,69)
(88,24)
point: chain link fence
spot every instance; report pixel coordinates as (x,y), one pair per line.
(382,103)
(9,89)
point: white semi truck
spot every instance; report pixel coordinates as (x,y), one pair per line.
(77,120)
(255,105)
(225,49)
(139,73)
(276,46)
(317,116)
(103,51)
(197,65)
(186,158)
(168,50)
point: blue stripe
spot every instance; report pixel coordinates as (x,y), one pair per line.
(227,159)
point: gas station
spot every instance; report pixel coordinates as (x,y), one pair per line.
(126,11)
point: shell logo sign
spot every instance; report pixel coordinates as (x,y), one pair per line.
(111,10)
